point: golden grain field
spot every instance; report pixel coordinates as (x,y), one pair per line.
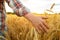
(19,28)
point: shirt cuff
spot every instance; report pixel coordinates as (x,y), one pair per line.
(23,11)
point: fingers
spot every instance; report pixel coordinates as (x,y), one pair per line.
(44,17)
(43,25)
(42,28)
(38,28)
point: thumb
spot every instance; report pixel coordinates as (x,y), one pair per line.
(44,17)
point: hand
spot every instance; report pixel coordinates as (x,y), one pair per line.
(38,22)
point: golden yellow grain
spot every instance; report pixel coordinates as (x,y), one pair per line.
(19,28)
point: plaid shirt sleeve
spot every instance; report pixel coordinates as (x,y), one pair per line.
(18,7)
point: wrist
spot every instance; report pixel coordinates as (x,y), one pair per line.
(29,16)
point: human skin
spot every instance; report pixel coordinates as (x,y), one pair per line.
(38,22)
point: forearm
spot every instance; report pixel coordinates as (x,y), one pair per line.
(29,16)
(18,7)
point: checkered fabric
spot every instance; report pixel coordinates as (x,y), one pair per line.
(17,7)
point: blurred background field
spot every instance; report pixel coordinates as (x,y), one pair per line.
(38,6)
(19,28)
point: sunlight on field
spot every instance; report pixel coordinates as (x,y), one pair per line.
(38,6)
(20,28)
